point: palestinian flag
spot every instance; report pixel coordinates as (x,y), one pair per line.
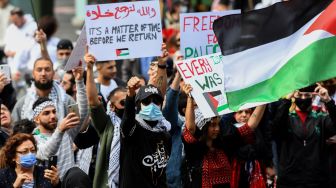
(216,100)
(271,52)
(122,52)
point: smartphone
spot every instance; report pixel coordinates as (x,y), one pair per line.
(73,108)
(52,161)
(5,69)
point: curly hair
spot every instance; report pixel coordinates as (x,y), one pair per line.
(9,149)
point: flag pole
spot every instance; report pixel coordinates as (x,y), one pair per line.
(36,20)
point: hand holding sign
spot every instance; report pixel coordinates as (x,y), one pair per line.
(89,59)
(40,36)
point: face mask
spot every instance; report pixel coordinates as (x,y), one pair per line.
(150,112)
(119,112)
(28,160)
(303,104)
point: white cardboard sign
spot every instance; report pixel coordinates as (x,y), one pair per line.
(205,74)
(197,36)
(124,30)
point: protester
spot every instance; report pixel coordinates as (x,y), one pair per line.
(44,115)
(7,92)
(63,52)
(68,84)
(208,145)
(21,171)
(149,126)
(302,134)
(43,86)
(250,160)
(19,35)
(5,124)
(5,8)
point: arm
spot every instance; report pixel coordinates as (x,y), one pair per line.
(41,38)
(190,110)
(50,148)
(87,139)
(256,117)
(128,121)
(82,102)
(170,111)
(91,89)
(98,115)
(161,77)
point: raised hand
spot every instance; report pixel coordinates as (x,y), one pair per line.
(78,71)
(322,93)
(3,81)
(187,88)
(70,121)
(132,85)
(40,36)
(89,59)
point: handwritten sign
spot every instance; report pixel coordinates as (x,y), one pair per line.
(197,36)
(124,30)
(78,52)
(206,76)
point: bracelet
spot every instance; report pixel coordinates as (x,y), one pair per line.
(162,66)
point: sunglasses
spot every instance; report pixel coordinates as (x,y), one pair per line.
(148,100)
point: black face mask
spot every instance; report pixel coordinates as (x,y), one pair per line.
(119,112)
(304,104)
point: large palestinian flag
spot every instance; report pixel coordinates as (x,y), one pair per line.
(271,52)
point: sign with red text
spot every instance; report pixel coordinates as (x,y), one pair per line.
(197,36)
(124,30)
(206,76)
(78,52)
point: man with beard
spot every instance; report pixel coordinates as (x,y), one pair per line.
(43,86)
(302,135)
(52,139)
(69,85)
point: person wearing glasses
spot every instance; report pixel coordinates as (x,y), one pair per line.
(302,133)
(21,171)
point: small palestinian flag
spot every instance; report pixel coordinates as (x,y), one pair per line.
(122,52)
(216,101)
(271,52)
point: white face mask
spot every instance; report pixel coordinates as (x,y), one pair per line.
(239,124)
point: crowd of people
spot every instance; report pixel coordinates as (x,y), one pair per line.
(114,124)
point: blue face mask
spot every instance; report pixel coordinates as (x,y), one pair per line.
(150,112)
(28,160)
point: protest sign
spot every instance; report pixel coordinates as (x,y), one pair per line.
(78,52)
(197,36)
(124,30)
(206,76)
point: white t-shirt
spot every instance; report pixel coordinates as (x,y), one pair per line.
(106,90)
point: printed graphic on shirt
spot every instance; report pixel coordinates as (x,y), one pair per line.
(157,162)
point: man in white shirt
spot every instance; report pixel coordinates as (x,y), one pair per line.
(19,35)
(5,9)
